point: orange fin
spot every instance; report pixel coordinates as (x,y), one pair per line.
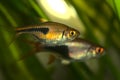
(37,47)
(28,55)
(51,59)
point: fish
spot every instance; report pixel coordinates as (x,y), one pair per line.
(50,33)
(77,50)
(72,51)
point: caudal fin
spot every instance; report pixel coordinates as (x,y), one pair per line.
(37,48)
(13,39)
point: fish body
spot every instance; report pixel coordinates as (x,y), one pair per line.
(50,33)
(71,51)
(77,50)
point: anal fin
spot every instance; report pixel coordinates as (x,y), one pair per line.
(51,59)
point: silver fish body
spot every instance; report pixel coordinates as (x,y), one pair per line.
(77,50)
(80,49)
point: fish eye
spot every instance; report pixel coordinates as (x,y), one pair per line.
(72,33)
(99,50)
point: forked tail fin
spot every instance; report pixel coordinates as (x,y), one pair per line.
(37,48)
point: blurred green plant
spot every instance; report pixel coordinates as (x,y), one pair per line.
(101,20)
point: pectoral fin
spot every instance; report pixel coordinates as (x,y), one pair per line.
(65,62)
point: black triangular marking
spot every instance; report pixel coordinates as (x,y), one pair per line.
(63,50)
